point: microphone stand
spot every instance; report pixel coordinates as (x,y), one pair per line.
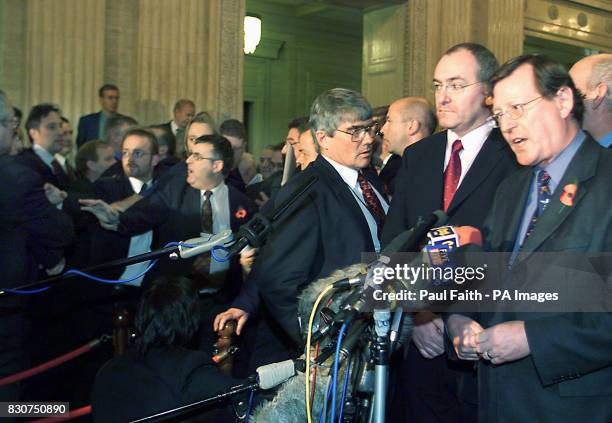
(380,353)
(251,385)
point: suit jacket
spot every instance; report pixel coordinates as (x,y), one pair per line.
(389,172)
(32,231)
(567,375)
(173,211)
(420,184)
(133,386)
(88,129)
(30,159)
(326,230)
(110,189)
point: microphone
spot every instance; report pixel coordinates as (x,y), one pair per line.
(272,375)
(409,240)
(255,232)
(202,245)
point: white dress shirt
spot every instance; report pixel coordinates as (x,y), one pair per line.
(219,202)
(139,244)
(472,143)
(349,176)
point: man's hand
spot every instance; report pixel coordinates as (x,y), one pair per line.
(122,205)
(263,199)
(247,258)
(237,314)
(54,194)
(464,332)
(107,216)
(428,334)
(503,342)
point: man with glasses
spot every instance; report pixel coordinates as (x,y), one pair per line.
(139,155)
(593,78)
(457,170)
(554,366)
(338,219)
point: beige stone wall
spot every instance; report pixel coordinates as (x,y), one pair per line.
(156,51)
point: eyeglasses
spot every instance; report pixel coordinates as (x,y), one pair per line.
(358,133)
(452,87)
(137,154)
(198,157)
(514,112)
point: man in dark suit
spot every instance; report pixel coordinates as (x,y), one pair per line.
(44,126)
(337,220)
(408,120)
(235,132)
(139,156)
(183,112)
(91,127)
(457,170)
(33,233)
(544,367)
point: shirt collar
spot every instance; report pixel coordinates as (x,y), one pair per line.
(44,155)
(174,127)
(348,175)
(606,140)
(556,169)
(217,191)
(137,184)
(474,139)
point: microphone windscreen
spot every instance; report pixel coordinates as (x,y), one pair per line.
(274,374)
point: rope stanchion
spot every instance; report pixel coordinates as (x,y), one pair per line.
(55,362)
(79,412)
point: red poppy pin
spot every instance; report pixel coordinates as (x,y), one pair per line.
(241,213)
(568,195)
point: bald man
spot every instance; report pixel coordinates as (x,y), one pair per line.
(409,120)
(593,78)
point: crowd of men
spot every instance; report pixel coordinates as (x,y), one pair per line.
(513,138)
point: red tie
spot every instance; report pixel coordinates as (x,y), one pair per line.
(372,202)
(452,174)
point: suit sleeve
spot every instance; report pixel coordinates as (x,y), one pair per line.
(287,263)
(569,346)
(80,139)
(147,214)
(49,230)
(396,220)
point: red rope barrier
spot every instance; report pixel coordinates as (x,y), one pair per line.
(83,411)
(52,363)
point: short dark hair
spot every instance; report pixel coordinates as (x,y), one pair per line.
(145,133)
(276,147)
(107,87)
(487,63)
(88,152)
(182,103)
(222,149)
(380,112)
(38,113)
(233,128)
(550,76)
(168,314)
(18,113)
(114,124)
(298,123)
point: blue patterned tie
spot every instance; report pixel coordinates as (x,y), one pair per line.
(544,193)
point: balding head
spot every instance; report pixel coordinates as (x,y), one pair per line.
(409,119)
(592,76)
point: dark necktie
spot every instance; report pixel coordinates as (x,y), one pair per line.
(372,202)
(544,193)
(60,175)
(143,189)
(207,217)
(452,174)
